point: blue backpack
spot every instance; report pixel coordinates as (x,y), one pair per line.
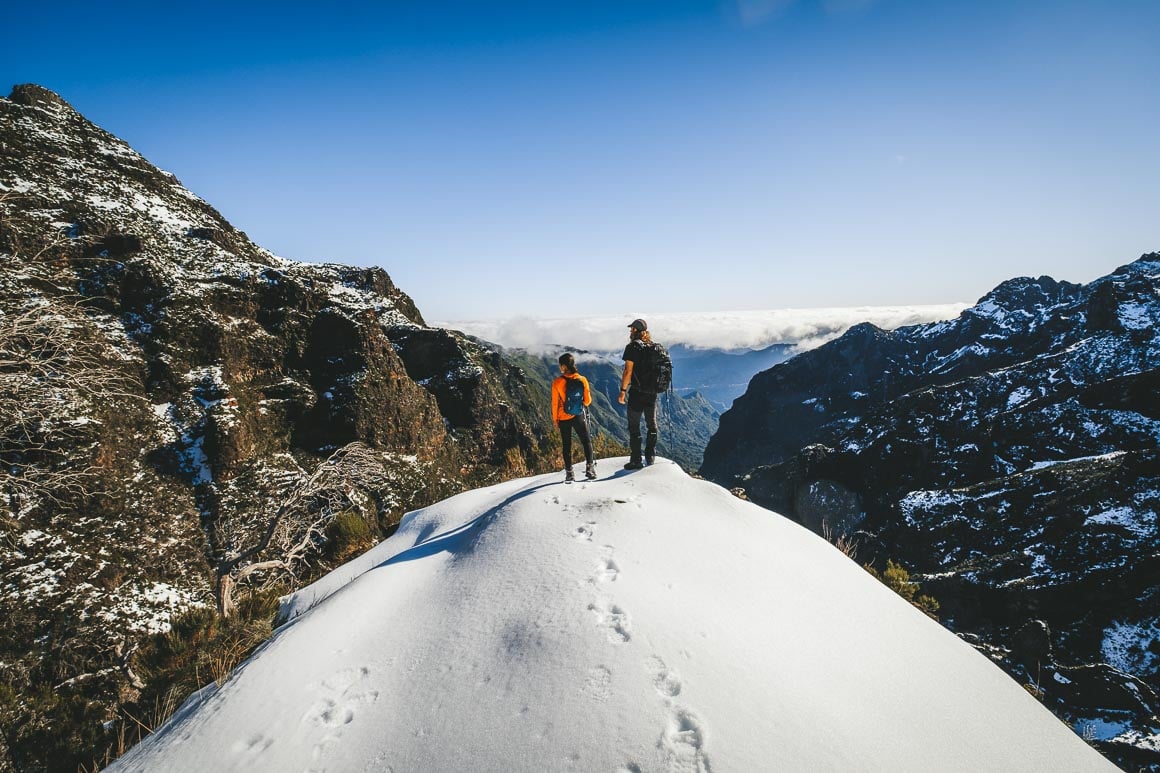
(573,396)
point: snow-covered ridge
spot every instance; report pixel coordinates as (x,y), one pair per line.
(641,622)
(214,379)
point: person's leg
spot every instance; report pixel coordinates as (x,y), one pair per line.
(581,428)
(650,441)
(634,415)
(586,441)
(566,441)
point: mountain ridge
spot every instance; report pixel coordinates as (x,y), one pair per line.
(1008,458)
(174,397)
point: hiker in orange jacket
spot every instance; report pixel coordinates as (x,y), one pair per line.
(570,396)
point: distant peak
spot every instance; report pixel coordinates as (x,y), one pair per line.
(863,330)
(1147,263)
(1026,293)
(36,96)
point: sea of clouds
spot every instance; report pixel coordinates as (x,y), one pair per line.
(805,328)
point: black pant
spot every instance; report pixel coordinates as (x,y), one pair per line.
(642,404)
(566,426)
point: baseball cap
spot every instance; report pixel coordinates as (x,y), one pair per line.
(639,324)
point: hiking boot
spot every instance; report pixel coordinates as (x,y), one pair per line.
(590,471)
(648,460)
(634,464)
(569,476)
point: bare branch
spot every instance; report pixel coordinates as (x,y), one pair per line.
(298,527)
(53,362)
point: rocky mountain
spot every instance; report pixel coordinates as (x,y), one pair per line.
(186,418)
(1009,456)
(685,421)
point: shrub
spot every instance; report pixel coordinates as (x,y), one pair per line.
(898,580)
(347,535)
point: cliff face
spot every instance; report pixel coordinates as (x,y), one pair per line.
(166,385)
(1010,456)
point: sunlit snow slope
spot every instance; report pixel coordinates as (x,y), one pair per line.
(645,621)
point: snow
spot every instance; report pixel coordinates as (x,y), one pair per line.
(925,501)
(1020,395)
(1135,316)
(17,185)
(1141,740)
(1132,647)
(148,609)
(1141,523)
(1052,463)
(644,621)
(1039,563)
(945,362)
(1101,729)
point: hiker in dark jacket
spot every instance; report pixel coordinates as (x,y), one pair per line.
(570,396)
(641,403)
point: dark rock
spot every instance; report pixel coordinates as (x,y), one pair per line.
(31,95)
(1102,310)
(114,245)
(828,507)
(1031,645)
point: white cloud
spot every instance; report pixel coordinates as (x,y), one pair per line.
(806,328)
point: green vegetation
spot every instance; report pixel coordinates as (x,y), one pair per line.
(348,535)
(898,580)
(200,648)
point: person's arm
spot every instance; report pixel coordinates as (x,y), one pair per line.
(587,392)
(625,380)
(557,399)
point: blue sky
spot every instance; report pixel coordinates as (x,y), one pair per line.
(631,156)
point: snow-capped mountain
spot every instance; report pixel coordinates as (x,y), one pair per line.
(169,392)
(641,622)
(1009,455)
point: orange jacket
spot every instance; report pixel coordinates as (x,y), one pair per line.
(558,414)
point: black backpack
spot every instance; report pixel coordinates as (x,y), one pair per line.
(653,372)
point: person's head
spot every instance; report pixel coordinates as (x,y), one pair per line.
(567,362)
(638,330)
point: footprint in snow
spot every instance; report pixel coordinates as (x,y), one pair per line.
(584,533)
(607,571)
(682,744)
(250,749)
(341,695)
(665,680)
(613,618)
(598,684)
